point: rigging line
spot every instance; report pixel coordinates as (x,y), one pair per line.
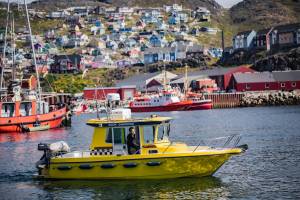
(5,43)
(33,52)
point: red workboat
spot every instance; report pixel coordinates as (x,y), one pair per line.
(22,108)
(168,99)
(26,115)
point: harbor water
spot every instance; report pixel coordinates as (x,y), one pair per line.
(270,169)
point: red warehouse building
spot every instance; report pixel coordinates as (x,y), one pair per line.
(221,75)
(260,81)
(125,92)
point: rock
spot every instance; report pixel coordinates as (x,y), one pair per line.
(277,98)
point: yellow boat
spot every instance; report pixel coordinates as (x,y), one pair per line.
(108,158)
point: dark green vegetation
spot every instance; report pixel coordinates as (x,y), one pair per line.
(74,83)
(259,14)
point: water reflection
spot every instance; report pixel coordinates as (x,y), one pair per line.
(54,134)
(184,188)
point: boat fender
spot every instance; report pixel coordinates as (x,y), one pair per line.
(64,167)
(244,147)
(86,166)
(153,163)
(108,166)
(153,151)
(130,165)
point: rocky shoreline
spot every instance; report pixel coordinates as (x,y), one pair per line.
(270,99)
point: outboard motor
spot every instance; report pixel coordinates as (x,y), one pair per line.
(51,150)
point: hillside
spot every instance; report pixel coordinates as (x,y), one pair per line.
(212,5)
(260,14)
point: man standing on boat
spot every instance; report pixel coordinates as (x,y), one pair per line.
(132,144)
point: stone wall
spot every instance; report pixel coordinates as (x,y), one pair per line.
(270,99)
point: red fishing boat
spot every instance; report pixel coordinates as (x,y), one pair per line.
(22,109)
(168,99)
(26,116)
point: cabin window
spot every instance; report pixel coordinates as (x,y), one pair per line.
(248,86)
(8,110)
(267,85)
(149,134)
(26,109)
(119,136)
(163,132)
(282,84)
(294,84)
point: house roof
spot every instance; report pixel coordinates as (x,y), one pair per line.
(159,50)
(246,33)
(259,77)
(189,78)
(256,77)
(264,31)
(73,58)
(287,75)
(138,80)
(142,79)
(287,27)
(217,71)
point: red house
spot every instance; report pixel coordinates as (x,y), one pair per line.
(125,92)
(260,81)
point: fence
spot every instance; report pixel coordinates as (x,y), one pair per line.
(225,100)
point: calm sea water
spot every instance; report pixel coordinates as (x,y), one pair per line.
(270,169)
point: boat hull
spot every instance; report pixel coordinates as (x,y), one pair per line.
(13,124)
(142,168)
(174,107)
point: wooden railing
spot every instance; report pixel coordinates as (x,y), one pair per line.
(225,100)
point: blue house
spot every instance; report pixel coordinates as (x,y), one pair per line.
(149,19)
(155,41)
(173,20)
(125,30)
(154,55)
(98,23)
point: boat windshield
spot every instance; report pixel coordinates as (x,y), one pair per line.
(163,132)
(149,134)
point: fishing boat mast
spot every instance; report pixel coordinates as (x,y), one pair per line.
(4,48)
(13,48)
(33,54)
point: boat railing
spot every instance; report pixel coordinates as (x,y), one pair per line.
(230,141)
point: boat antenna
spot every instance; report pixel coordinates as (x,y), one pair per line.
(165,76)
(33,53)
(5,44)
(185,80)
(96,99)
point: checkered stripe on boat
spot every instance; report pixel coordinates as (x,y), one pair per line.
(102,151)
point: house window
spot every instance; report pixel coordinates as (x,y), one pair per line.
(267,85)
(248,86)
(282,84)
(294,84)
